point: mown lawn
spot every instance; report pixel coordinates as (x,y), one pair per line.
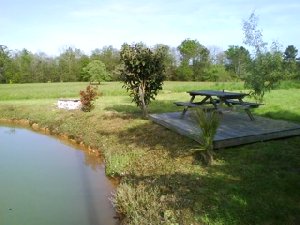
(162,182)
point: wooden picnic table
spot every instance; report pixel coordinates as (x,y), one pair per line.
(217,99)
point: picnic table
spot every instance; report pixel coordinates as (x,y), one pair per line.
(216,100)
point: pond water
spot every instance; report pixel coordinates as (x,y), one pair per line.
(46,182)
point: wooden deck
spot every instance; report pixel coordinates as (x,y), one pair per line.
(235,128)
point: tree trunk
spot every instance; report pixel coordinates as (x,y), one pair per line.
(142,100)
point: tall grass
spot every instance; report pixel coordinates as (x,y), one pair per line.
(140,205)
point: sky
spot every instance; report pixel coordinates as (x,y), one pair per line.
(51,26)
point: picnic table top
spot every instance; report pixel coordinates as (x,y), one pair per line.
(220,94)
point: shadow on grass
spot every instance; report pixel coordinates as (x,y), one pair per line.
(257,185)
(283,115)
(163,106)
(153,136)
(157,106)
(128,109)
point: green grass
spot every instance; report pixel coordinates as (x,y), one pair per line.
(179,86)
(161,179)
(282,104)
(53,90)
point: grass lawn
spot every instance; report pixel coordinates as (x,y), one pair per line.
(161,180)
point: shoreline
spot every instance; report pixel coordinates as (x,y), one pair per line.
(75,142)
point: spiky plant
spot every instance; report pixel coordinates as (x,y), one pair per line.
(208,122)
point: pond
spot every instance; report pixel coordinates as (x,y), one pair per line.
(45,182)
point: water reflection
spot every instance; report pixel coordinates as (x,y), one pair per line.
(10,131)
(91,159)
(96,163)
(44,181)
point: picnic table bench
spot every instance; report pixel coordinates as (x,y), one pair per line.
(248,105)
(214,100)
(187,105)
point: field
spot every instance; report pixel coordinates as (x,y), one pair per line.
(161,179)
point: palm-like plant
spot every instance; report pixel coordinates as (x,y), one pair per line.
(208,122)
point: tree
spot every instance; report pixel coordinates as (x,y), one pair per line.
(82,62)
(265,72)
(4,61)
(95,71)
(69,68)
(216,55)
(195,56)
(217,72)
(290,53)
(265,69)
(253,36)
(142,73)
(185,71)
(110,57)
(169,60)
(290,62)
(237,60)
(23,67)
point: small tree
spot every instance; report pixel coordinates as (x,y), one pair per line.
(142,73)
(87,98)
(95,71)
(265,69)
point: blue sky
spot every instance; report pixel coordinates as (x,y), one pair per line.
(51,26)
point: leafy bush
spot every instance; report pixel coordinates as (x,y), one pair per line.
(88,97)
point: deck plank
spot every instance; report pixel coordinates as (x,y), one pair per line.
(235,128)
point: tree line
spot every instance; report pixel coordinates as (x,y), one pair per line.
(190,61)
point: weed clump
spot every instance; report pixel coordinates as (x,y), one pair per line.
(140,204)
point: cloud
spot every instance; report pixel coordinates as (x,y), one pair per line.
(90,24)
(120,9)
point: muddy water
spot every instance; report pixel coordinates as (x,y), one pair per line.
(45,182)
